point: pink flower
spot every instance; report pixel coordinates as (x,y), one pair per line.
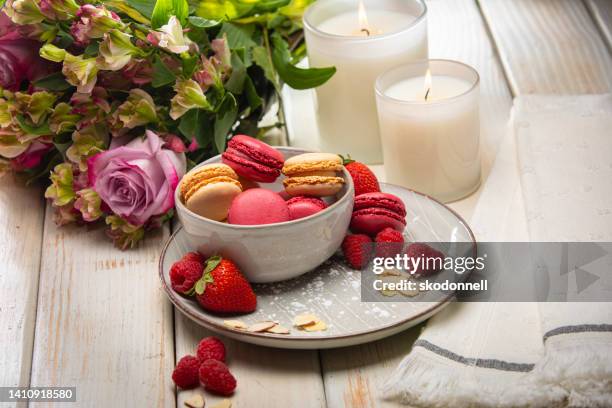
(137,181)
(19,60)
(174,143)
(31,157)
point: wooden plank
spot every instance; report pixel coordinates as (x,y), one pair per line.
(549,47)
(266,377)
(354,375)
(21,224)
(103,324)
(601,10)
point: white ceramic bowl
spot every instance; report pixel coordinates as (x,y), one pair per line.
(275,252)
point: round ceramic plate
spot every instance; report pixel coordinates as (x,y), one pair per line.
(332,291)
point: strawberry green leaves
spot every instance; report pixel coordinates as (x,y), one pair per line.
(296,78)
(200,285)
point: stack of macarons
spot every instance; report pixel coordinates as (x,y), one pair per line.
(230,191)
(373,212)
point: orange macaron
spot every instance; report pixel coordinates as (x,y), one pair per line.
(313,174)
(209,190)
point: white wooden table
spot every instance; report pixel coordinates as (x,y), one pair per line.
(76,312)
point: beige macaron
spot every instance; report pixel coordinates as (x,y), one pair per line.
(313,174)
(209,190)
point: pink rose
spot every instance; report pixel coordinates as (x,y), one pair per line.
(137,181)
(19,59)
(31,157)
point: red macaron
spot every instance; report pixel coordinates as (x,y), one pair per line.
(301,207)
(253,159)
(374,212)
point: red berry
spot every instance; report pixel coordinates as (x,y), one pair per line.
(186,373)
(225,289)
(432,260)
(215,377)
(389,242)
(194,256)
(364,180)
(357,250)
(184,275)
(211,348)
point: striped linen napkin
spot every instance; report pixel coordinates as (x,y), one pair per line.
(529,354)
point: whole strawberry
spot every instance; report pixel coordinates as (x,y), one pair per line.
(432,260)
(223,289)
(389,243)
(184,274)
(216,377)
(211,348)
(186,373)
(364,180)
(357,250)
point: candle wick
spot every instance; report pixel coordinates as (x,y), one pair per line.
(427,93)
(365,30)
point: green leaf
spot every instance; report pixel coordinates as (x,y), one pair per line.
(296,8)
(92,49)
(226,117)
(2,3)
(261,58)
(161,74)
(222,9)
(196,124)
(235,83)
(189,65)
(144,7)
(201,22)
(200,287)
(30,130)
(238,36)
(297,78)
(164,9)
(211,264)
(253,98)
(54,82)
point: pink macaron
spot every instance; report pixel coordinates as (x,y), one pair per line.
(258,206)
(253,159)
(301,207)
(374,212)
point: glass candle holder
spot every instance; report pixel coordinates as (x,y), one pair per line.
(362,40)
(430,129)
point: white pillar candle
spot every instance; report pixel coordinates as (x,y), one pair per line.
(361,44)
(430,127)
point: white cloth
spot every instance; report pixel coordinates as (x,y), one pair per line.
(528,354)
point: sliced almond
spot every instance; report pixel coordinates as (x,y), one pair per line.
(305,320)
(278,330)
(223,404)
(388,293)
(318,326)
(236,324)
(409,293)
(195,401)
(261,327)
(391,272)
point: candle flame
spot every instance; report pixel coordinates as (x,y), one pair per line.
(363,19)
(427,83)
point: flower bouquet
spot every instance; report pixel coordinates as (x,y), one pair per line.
(112,101)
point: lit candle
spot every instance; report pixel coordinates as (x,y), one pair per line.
(430,127)
(361,40)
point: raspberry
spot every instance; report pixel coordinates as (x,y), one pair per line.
(184,275)
(211,348)
(194,256)
(186,374)
(215,377)
(432,260)
(357,250)
(389,243)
